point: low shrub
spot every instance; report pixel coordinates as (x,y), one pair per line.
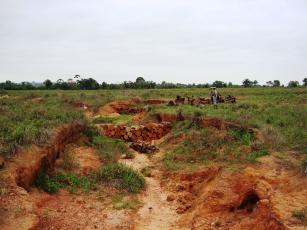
(52,183)
(121,176)
(256,154)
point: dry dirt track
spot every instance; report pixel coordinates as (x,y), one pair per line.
(156,212)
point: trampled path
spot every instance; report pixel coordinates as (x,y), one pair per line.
(156,212)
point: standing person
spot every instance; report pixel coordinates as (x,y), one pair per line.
(213,95)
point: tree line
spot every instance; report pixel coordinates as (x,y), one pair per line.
(78,83)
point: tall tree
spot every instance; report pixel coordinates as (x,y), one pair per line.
(305,81)
(247,83)
(276,83)
(293,84)
(48,84)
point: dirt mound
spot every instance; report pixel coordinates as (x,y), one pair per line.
(156,101)
(147,132)
(119,107)
(85,159)
(143,147)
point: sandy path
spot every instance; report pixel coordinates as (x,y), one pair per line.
(156,213)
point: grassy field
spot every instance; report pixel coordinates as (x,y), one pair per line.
(28,117)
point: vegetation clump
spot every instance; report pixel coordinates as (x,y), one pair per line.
(121,176)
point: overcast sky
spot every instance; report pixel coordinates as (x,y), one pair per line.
(173,40)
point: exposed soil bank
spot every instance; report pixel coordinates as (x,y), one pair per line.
(261,196)
(16,205)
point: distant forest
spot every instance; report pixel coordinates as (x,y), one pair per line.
(78,83)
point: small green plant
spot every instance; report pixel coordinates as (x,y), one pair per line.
(304,165)
(256,154)
(146,171)
(243,135)
(301,215)
(45,213)
(69,161)
(121,176)
(109,149)
(120,201)
(52,183)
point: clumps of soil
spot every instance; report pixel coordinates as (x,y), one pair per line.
(119,107)
(143,147)
(185,187)
(227,201)
(81,160)
(156,101)
(147,132)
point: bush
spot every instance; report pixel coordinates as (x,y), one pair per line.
(256,154)
(122,176)
(52,183)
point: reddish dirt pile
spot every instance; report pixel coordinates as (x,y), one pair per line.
(86,159)
(156,101)
(147,132)
(119,107)
(143,147)
(165,117)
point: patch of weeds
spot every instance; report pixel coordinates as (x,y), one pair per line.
(121,176)
(53,183)
(169,161)
(146,171)
(45,213)
(243,135)
(272,137)
(102,119)
(301,215)
(109,149)
(69,161)
(120,201)
(256,154)
(304,166)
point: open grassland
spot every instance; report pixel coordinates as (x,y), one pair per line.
(280,113)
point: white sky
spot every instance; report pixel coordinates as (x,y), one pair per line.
(176,40)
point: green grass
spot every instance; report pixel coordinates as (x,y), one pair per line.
(203,146)
(121,201)
(301,215)
(24,122)
(256,154)
(121,176)
(123,118)
(110,149)
(52,183)
(280,113)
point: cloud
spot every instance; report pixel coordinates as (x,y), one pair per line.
(176,40)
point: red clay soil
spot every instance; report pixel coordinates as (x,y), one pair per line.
(147,132)
(156,101)
(119,107)
(259,197)
(66,211)
(165,117)
(86,159)
(18,175)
